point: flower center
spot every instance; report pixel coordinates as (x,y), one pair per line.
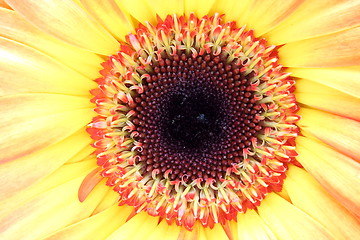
(196,120)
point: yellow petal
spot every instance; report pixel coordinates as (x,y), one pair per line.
(49,212)
(164,230)
(16,28)
(23,133)
(199,7)
(345,79)
(27,170)
(259,9)
(166,7)
(130,230)
(316,18)
(327,99)
(288,222)
(338,132)
(337,173)
(24,69)
(66,21)
(62,175)
(107,12)
(98,226)
(252,227)
(333,50)
(110,198)
(309,196)
(143,14)
(217,233)
(234,10)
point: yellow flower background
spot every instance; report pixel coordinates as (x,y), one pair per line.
(50,55)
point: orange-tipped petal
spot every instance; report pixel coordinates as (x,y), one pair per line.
(345,79)
(24,69)
(337,173)
(316,18)
(333,50)
(76,28)
(317,203)
(327,99)
(16,28)
(21,173)
(284,220)
(50,211)
(338,132)
(27,128)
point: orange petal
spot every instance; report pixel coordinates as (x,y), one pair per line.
(110,16)
(338,132)
(50,211)
(98,226)
(24,69)
(3,4)
(316,18)
(89,183)
(333,50)
(23,172)
(30,126)
(345,79)
(310,197)
(338,174)
(65,20)
(16,28)
(284,220)
(327,99)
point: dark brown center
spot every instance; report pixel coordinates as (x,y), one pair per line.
(195,117)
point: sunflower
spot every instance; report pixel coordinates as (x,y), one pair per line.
(180,119)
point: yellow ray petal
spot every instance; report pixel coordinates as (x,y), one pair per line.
(62,175)
(49,212)
(27,170)
(217,233)
(338,132)
(143,14)
(316,18)
(259,9)
(98,226)
(252,227)
(338,174)
(327,99)
(234,10)
(310,197)
(284,220)
(65,20)
(82,155)
(199,7)
(24,69)
(130,230)
(166,7)
(107,12)
(333,50)
(110,198)
(159,231)
(345,79)
(16,28)
(23,136)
